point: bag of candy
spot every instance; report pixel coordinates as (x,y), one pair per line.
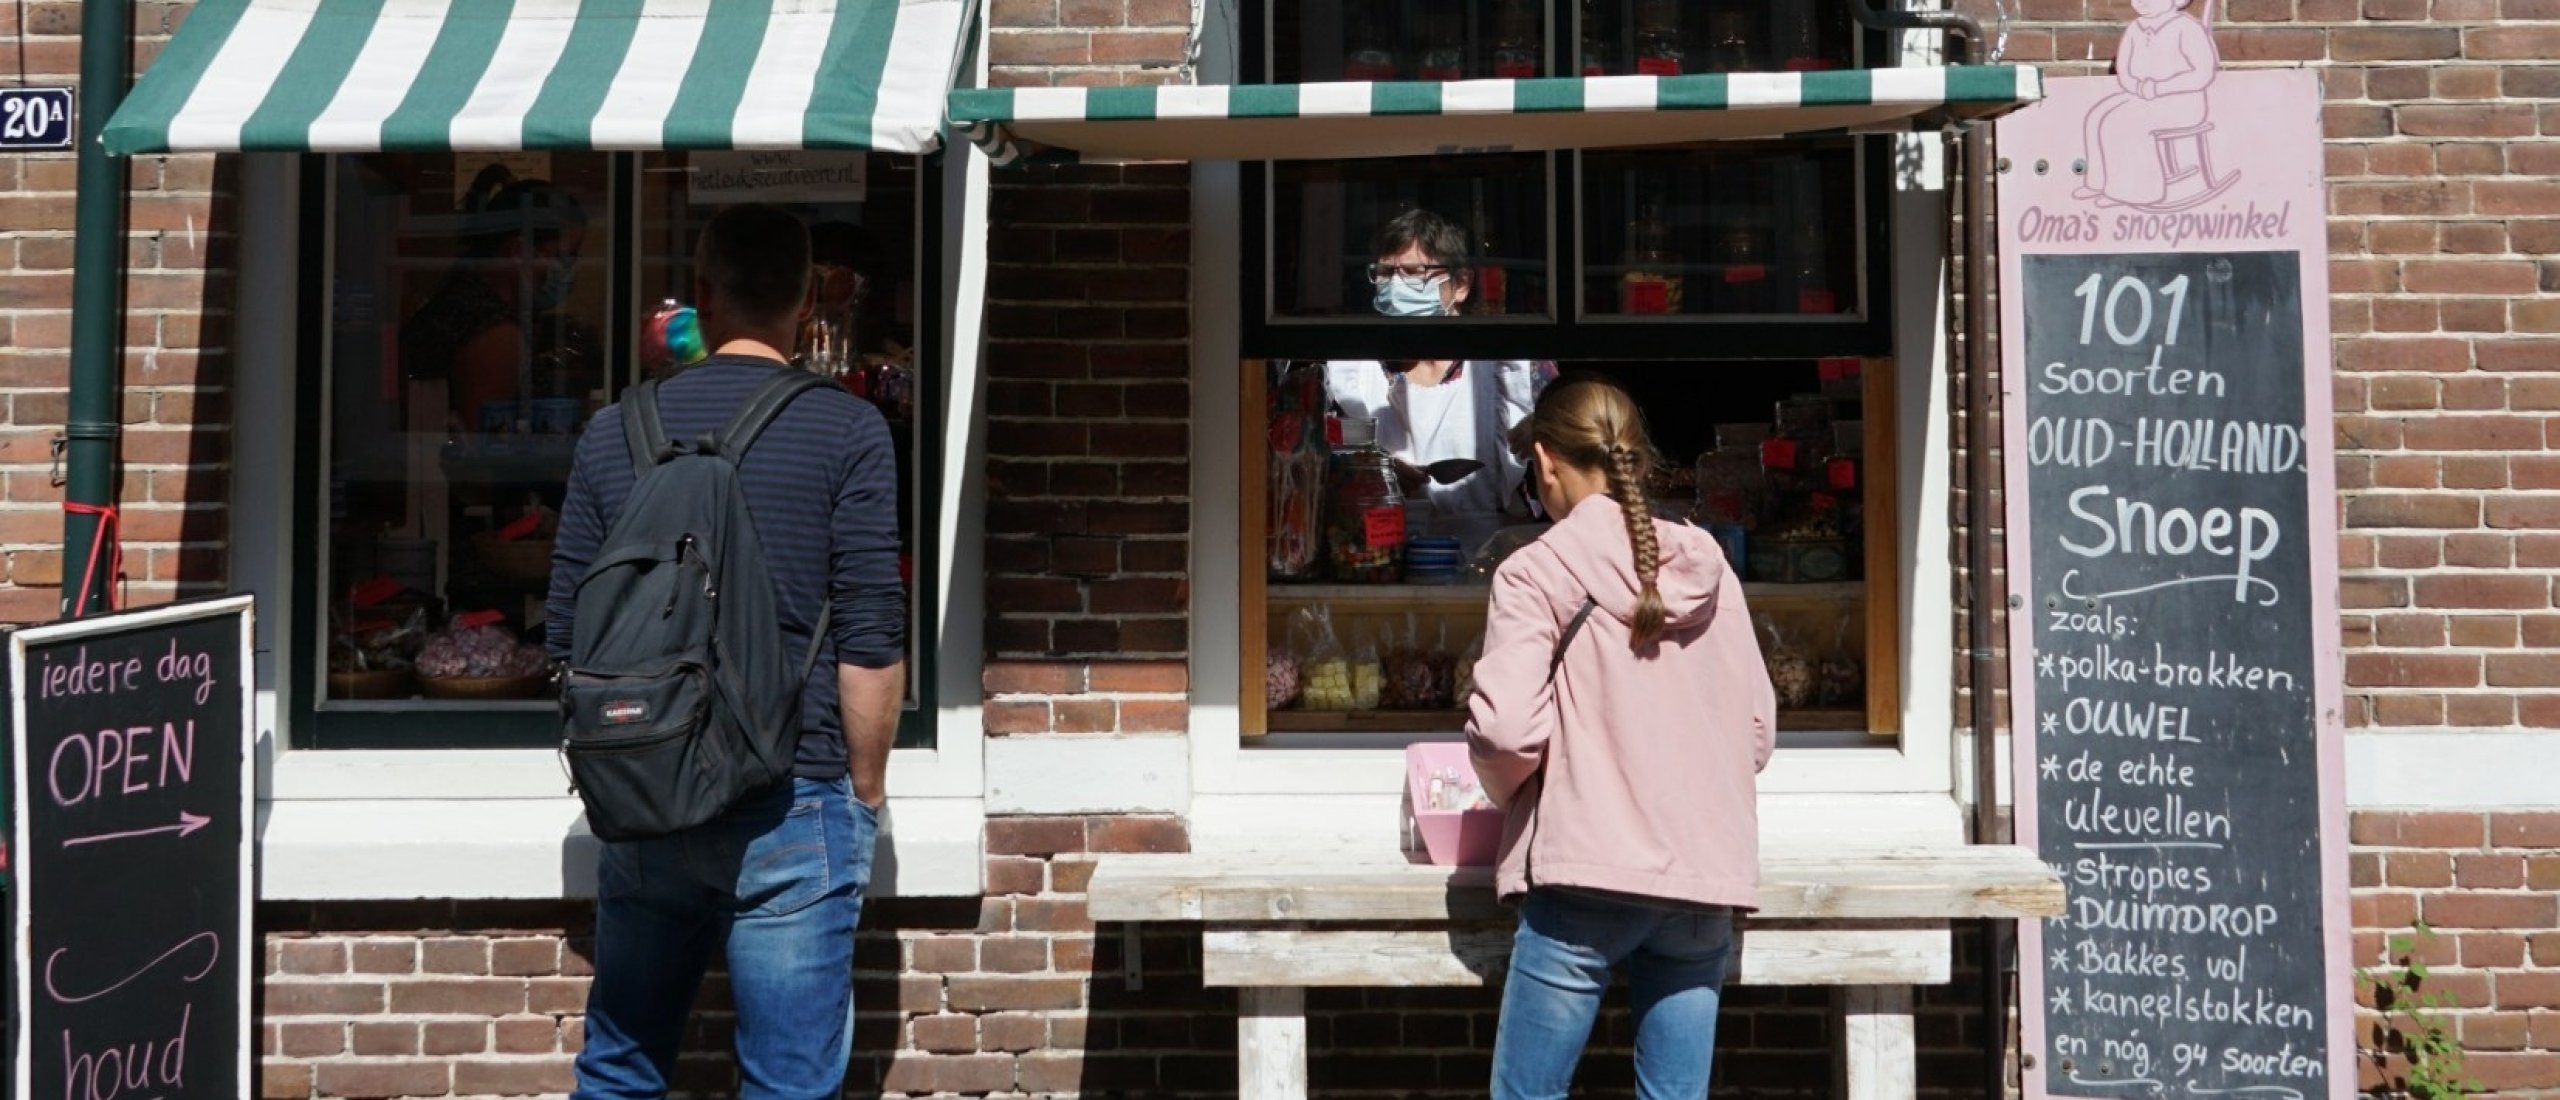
(1368,672)
(478,646)
(1324,672)
(1791,673)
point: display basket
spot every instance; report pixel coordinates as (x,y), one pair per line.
(383,683)
(1462,838)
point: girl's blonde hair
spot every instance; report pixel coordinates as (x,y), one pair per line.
(1589,423)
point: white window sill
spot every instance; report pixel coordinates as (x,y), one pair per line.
(345,826)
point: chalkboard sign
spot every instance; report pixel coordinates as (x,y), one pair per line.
(132,874)
(2174,672)
(2175,757)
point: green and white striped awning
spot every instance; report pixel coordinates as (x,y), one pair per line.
(495,75)
(1423,118)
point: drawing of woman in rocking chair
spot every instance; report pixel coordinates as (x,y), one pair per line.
(2163,65)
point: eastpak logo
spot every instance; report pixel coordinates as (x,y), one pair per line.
(626,711)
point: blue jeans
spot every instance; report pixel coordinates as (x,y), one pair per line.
(782,876)
(1568,944)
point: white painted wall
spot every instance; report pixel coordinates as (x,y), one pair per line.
(2453,769)
(1121,773)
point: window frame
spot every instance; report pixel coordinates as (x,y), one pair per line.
(441,726)
(1330,788)
(1348,789)
(501,823)
(349,824)
(1570,332)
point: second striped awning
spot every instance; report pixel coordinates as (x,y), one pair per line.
(490,75)
(1424,118)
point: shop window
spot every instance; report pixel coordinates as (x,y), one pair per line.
(1741,232)
(1770,249)
(481,308)
(1321,40)
(1365,593)
(1330,212)
(1736,289)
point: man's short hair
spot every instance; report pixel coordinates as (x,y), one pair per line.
(1438,237)
(755,257)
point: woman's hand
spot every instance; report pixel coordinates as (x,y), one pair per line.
(1410,479)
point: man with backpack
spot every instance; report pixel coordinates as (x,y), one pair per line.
(725,593)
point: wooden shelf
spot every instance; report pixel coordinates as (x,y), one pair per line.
(1296,595)
(1825,719)
(1367,721)
(1761,592)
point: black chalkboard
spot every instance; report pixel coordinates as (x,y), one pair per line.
(131,871)
(2173,729)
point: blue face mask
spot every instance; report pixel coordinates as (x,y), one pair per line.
(556,285)
(1405,297)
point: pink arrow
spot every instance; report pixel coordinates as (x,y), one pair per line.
(187,823)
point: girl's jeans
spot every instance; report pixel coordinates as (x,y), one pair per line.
(1569,942)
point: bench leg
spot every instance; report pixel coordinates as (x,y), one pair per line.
(1271,1043)
(1879,1059)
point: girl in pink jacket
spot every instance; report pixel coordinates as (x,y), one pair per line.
(1621,712)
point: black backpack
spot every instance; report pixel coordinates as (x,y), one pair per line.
(679,701)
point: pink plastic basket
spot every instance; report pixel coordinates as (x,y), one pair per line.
(1465,838)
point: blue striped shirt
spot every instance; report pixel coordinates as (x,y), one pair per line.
(822,490)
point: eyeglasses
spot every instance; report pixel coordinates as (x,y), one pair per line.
(1380,273)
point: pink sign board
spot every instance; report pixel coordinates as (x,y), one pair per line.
(2171,496)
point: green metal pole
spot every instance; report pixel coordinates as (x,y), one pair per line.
(97,314)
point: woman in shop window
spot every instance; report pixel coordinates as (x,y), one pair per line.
(479,332)
(1435,410)
(1620,714)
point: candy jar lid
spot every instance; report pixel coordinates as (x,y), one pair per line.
(1359,432)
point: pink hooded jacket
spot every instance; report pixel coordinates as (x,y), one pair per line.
(1633,771)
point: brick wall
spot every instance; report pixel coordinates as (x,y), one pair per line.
(1016,994)
(2444,139)
(1021,993)
(2488,884)
(1088,367)
(177,418)
(2443,121)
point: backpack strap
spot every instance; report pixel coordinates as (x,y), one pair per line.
(642,430)
(1571,629)
(767,403)
(818,635)
(759,413)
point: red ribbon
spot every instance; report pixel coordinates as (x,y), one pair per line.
(101,541)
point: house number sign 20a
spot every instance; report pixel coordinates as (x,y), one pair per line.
(35,119)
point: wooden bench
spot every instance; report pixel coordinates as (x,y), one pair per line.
(1872,924)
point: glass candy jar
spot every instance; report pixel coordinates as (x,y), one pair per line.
(1364,517)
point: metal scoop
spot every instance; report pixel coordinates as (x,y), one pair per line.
(1450,471)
